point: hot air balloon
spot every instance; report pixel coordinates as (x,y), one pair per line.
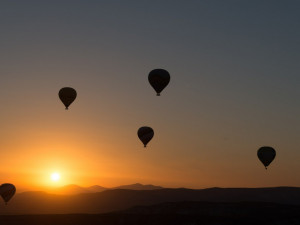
(145,134)
(266,155)
(67,95)
(7,191)
(159,79)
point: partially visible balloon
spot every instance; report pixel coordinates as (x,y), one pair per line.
(266,155)
(159,79)
(7,191)
(67,95)
(145,134)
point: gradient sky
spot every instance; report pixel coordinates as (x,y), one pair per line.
(234,87)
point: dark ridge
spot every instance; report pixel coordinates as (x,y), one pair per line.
(121,199)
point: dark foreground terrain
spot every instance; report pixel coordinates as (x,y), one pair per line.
(179,213)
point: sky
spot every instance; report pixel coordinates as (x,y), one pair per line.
(234,87)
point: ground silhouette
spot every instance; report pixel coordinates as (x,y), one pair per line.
(121,199)
(175,213)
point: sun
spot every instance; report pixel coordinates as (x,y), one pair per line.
(55,176)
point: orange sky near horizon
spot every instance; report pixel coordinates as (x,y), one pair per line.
(87,154)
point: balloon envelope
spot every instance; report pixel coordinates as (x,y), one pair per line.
(7,191)
(145,134)
(67,95)
(159,79)
(266,155)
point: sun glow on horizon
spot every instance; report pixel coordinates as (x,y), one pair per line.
(55,177)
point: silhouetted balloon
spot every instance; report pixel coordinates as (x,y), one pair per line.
(266,155)
(67,95)
(145,134)
(159,79)
(7,191)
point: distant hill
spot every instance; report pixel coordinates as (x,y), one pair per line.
(96,188)
(73,189)
(121,199)
(138,186)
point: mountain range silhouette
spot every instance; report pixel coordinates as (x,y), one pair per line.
(115,199)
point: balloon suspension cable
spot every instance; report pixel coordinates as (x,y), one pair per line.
(67,108)
(145,146)
(158,94)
